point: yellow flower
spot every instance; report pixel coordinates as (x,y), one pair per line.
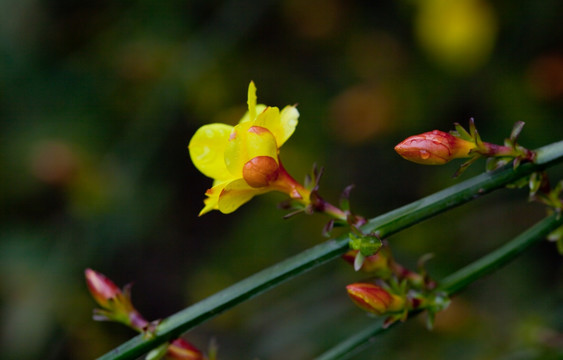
(459,35)
(243,160)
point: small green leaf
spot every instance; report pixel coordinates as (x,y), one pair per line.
(465,165)
(556,234)
(535,182)
(367,244)
(345,198)
(359,261)
(308,181)
(472,128)
(355,242)
(370,244)
(494,163)
(518,184)
(516,130)
(461,132)
(516,162)
(158,353)
(327,229)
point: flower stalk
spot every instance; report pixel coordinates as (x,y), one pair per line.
(437,148)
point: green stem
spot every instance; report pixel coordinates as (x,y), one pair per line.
(385,224)
(501,256)
(355,343)
(456,282)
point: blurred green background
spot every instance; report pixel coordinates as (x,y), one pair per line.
(98,100)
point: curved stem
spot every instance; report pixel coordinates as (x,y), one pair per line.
(500,257)
(385,224)
(455,282)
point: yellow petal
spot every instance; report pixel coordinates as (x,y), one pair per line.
(211,202)
(236,151)
(288,121)
(251,100)
(207,148)
(281,125)
(261,142)
(247,142)
(237,193)
(259,109)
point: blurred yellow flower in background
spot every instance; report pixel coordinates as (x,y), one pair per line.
(243,160)
(459,35)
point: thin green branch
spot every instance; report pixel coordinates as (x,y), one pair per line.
(501,256)
(455,282)
(356,343)
(385,224)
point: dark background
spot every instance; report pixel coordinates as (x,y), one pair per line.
(98,101)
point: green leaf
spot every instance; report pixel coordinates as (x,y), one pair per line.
(355,241)
(557,237)
(370,244)
(516,130)
(461,132)
(157,353)
(345,198)
(359,261)
(465,165)
(518,184)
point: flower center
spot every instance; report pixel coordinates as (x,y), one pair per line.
(260,171)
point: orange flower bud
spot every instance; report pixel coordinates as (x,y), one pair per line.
(260,171)
(180,349)
(101,288)
(374,298)
(434,148)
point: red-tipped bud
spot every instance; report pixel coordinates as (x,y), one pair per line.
(260,171)
(180,349)
(116,304)
(374,298)
(102,289)
(434,148)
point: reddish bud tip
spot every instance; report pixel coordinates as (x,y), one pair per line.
(260,171)
(374,299)
(434,148)
(101,288)
(180,349)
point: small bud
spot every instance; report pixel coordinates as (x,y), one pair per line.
(377,263)
(434,148)
(116,303)
(102,289)
(374,298)
(260,171)
(180,349)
